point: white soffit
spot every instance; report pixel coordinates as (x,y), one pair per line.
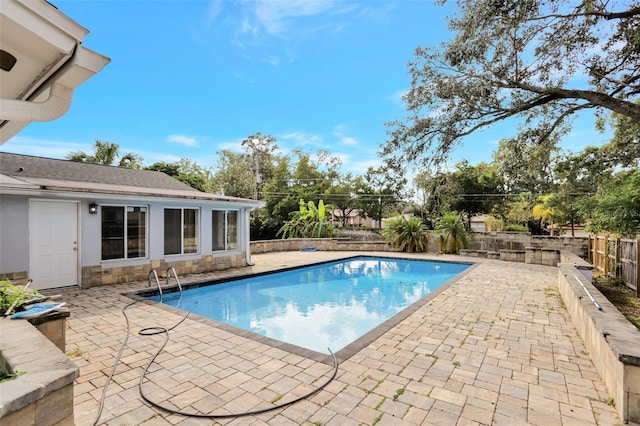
(46,46)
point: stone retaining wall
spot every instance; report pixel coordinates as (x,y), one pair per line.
(496,241)
(546,250)
(537,256)
(612,341)
(42,396)
(322,244)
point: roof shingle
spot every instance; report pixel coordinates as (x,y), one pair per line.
(16,165)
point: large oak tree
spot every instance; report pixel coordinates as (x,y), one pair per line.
(537,60)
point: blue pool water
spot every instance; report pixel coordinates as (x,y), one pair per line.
(322,306)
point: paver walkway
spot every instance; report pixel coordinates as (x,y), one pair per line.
(496,347)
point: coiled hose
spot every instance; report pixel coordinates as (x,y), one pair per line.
(151,331)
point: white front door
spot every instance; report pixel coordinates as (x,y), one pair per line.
(53,244)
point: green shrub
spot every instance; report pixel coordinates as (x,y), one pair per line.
(308,222)
(516,228)
(410,235)
(452,233)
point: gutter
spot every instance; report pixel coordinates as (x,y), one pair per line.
(55,106)
(50,109)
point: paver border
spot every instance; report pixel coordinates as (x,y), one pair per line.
(141,296)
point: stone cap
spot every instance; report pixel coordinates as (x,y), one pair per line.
(622,336)
(24,348)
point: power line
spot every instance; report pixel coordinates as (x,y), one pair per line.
(355,196)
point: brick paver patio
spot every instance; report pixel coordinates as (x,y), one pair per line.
(496,347)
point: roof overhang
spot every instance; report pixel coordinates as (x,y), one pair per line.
(92,190)
(50,63)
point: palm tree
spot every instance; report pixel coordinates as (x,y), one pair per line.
(452,233)
(106,153)
(410,235)
(544,211)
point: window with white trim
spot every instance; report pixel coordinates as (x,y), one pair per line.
(180,231)
(224,230)
(124,232)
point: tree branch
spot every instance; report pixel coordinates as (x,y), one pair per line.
(599,99)
(634,11)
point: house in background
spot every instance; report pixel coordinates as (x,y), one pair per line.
(354,220)
(64,223)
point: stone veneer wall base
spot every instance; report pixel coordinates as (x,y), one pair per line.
(96,275)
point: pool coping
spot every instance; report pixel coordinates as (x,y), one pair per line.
(141,296)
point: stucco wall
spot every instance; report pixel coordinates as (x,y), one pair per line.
(14,235)
(14,240)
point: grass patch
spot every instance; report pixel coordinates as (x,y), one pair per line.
(77,352)
(374,388)
(609,401)
(621,296)
(407,410)
(377,419)
(398,393)
(12,375)
(381,402)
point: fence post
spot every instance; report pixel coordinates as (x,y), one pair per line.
(605,267)
(638,266)
(617,270)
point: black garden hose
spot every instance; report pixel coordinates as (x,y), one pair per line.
(151,331)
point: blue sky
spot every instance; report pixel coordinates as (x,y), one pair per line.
(189,78)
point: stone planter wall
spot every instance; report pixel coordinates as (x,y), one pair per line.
(322,244)
(44,395)
(611,340)
(496,241)
(481,244)
(53,327)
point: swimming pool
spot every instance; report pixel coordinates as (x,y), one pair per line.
(321,306)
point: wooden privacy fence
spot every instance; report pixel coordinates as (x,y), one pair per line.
(619,257)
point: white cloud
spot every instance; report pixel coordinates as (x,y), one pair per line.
(234,146)
(213,10)
(361,167)
(183,140)
(151,157)
(339,132)
(302,138)
(279,28)
(43,147)
(275,16)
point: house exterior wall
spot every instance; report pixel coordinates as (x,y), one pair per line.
(14,237)
(14,241)
(98,272)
